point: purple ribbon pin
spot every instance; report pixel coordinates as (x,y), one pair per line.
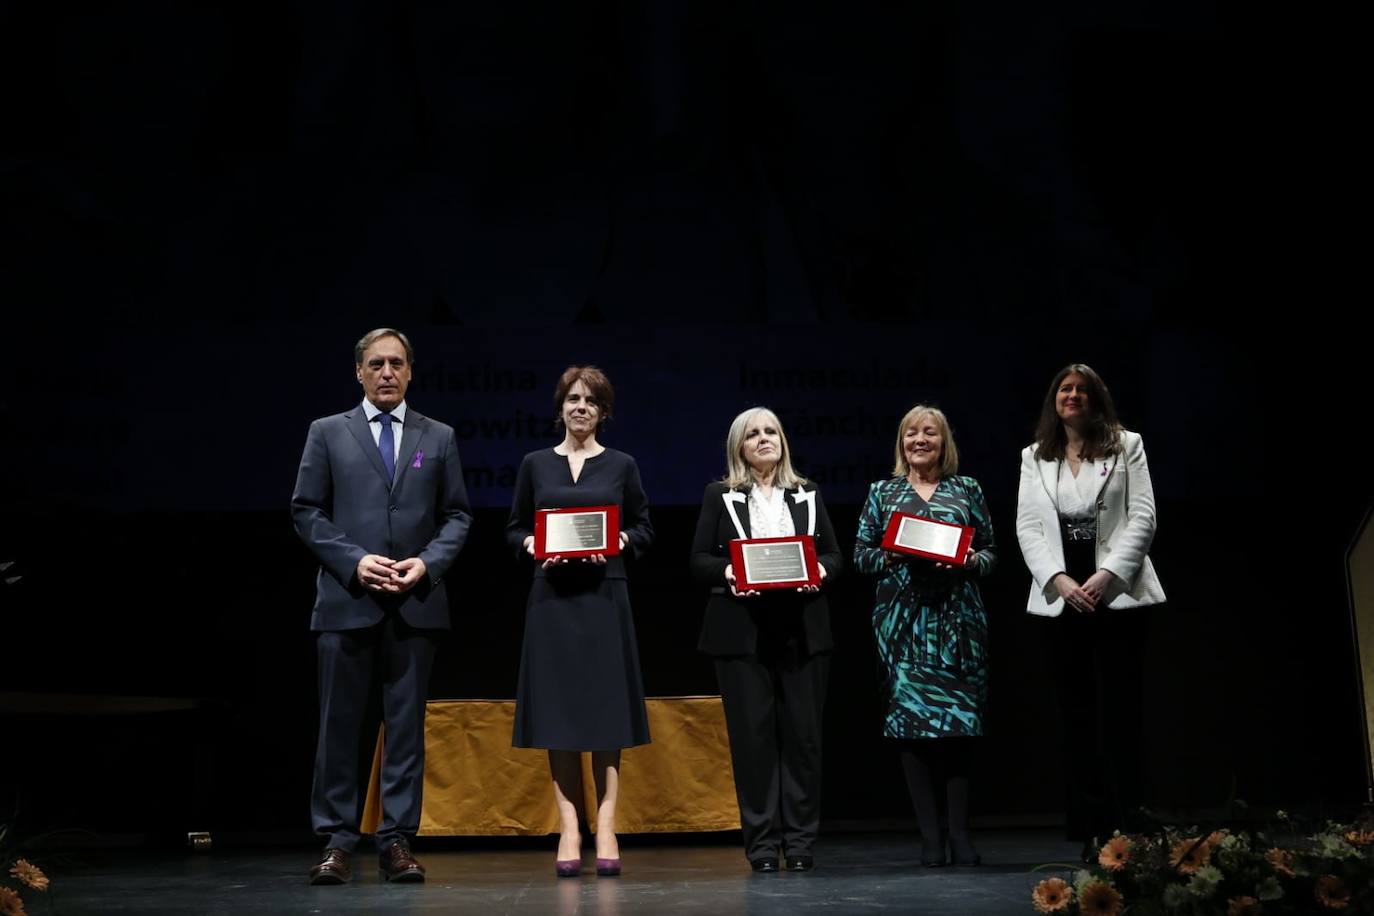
(419,457)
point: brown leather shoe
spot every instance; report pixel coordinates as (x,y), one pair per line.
(400,866)
(332,869)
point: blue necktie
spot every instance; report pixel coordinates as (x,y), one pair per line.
(387,444)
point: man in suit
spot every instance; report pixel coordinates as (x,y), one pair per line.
(380,501)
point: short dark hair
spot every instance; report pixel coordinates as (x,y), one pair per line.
(597,385)
(371,337)
(1101,438)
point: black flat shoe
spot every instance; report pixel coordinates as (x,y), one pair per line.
(800,863)
(764,865)
(961,852)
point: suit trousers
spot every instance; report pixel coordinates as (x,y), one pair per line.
(380,669)
(773,708)
(1098,663)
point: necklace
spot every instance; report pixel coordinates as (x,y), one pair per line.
(761,504)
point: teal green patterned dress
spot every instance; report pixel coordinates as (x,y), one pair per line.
(931,629)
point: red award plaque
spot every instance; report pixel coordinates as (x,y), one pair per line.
(763,563)
(578,532)
(925,537)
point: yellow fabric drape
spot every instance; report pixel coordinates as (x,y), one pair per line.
(476,784)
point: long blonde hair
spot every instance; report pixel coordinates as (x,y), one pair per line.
(738,471)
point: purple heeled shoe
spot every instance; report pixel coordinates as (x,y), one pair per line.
(567,868)
(607,868)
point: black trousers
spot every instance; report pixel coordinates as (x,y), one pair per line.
(773,707)
(380,672)
(1098,662)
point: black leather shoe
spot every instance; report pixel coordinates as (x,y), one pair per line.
(400,866)
(961,851)
(764,864)
(800,863)
(332,868)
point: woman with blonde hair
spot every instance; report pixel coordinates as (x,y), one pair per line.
(772,650)
(930,626)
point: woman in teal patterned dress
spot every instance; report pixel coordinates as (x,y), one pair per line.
(931,630)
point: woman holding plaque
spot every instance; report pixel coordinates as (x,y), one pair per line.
(580,688)
(1085,516)
(931,629)
(772,648)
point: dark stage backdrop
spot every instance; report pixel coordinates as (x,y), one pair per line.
(834,213)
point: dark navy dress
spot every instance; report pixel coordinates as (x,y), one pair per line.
(580,687)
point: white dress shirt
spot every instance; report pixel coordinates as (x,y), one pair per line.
(398,419)
(1077,496)
(769,518)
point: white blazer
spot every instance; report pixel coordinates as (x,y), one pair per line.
(1125,528)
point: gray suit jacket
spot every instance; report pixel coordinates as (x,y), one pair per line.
(344,507)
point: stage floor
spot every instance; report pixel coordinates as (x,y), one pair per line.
(856,873)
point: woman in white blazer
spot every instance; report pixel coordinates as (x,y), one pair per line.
(1085,517)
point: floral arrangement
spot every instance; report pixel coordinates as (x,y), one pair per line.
(1190,873)
(16,875)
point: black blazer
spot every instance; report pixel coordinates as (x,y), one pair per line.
(731,625)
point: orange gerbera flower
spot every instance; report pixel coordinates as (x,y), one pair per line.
(1189,855)
(1360,837)
(1242,906)
(1281,860)
(1100,899)
(1051,895)
(1116,854)
(30,874)
(10,904)
(1215,837)
(1331,892)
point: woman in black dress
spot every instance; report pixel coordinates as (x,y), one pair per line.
(772,650)
(580,687)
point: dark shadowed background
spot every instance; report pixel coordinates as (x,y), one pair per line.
(836,211)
